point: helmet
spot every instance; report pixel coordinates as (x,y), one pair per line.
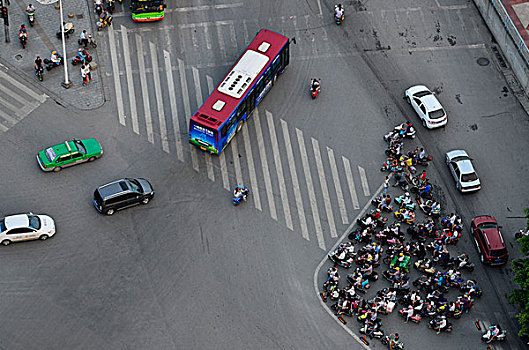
(407,194)
(80,50)
(54,52)
(400,254)
(397,268)
(378,210)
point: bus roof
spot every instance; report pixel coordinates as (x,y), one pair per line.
(225,98)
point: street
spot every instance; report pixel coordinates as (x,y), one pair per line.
(189,270)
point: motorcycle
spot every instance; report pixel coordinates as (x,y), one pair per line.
(68,29)
(347,260)
(39,72)
(395,345)
(103,23)
(373,333)
(471,288)
(50,65)
(314,91)
(98,8)
(406,216)
(111,6)
(403,204)
(31,17)
(424,161)
(78,60)
(238,199)
(415,318)
(91,41)
(430,207)
(376,202)
(435,323)
(425,266)
(23,37)
(401,129)
(521,234)
(338,19)
(502,334)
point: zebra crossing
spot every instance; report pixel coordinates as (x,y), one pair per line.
(16,101)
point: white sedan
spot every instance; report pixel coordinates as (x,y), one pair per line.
(462,170)
(23,227)
(427,106)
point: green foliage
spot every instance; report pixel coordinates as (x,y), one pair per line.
(520,296)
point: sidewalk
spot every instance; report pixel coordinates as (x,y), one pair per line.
(518,10)
(43,40)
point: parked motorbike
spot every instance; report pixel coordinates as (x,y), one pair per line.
(50,65)
(68,29)
(91,41)
(79,60)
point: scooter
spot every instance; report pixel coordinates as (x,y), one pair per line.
(91,41)
(98,9)
(68,29)
(521,233)
(31,18)
(376,333)
(402,204)
(78,60)
(401,128)
(111,6)
(434,324)
(499,337)
(314,92)
(407,217)
(103,23)
(39,73)
(238,199)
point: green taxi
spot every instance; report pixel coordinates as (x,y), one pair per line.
(69,153)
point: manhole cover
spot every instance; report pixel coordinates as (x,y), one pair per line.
(79,16)
(18,57)
(483,61)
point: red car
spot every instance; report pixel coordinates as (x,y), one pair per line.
(489,241)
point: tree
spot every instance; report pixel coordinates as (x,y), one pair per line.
(520,296)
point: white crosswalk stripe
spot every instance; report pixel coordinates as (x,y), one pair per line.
(16,101)
(166,97)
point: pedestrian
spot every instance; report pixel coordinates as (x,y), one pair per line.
(386,184)
(84,38)
(84,75)
(89,73)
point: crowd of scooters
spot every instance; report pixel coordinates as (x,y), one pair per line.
(375,241)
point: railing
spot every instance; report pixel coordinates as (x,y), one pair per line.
(511,29)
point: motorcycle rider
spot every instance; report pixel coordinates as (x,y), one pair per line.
(393,340)
(82,55)
(314,84)
(38,64)
(425,190)
(105,17)
(240,191)
(98,6)
(406,200)
(22,31)
(30,10)
(494,331)
(441,324)
(338,11)
(421,154)
(54,58)
(84,38)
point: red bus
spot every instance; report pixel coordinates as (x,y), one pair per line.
(225,110)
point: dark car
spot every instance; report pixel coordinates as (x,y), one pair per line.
(122,194)
(489,240)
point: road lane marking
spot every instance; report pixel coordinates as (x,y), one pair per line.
(187,109)
(17,97)
(251,167)
(310,189)
(363,178)
(350,182)
(115,75)
(233,36)
(224,171)
(26,90)
(337,186)
(319,7)
(264,164)
(324,188)
(222,47)
(209,162)
(130,81)
(236,162)
(245,32)
(144,89)
(279,169)
(295,181)
(207,37)
(159,97)
(174,109)
(9,105)
(317,272)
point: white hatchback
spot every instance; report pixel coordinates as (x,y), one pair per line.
(24,227)
(427,106)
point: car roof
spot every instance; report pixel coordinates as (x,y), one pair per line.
(431,103)
(15,221)
(492,236)
(114,188)
(465,166)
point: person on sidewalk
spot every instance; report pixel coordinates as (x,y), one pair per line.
(84,38)
(84,75)
(88,72)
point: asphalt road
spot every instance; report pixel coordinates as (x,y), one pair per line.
(191,271)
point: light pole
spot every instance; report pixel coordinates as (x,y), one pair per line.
(66,83)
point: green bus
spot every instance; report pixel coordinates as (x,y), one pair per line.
(147,10)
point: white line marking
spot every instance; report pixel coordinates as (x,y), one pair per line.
(264,163)
(194,39)
(8,118)
(222,47)
(295,181)
(198,87)
(439,48)
(3,127)
(207,37)
(26,90)
(209,162)
(233,36)
(190,9)
(245,31)
(317,272)
(363,178)
(144,89)
(279,168)
(17,97)
(251,167)
(324,188)
(115,75)
(350,182)
(159,97)
(130,81)
(310,188)
(187,109)
(319,7)
(236,162)
(224,171)
(174,109)
(5,102)
(337,186)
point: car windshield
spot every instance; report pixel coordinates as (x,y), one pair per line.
(487,225)
(136,187)
(437,114)
(34,222)
(422,94)
(498,252)
(50,154)
(2,225)
(80,146)
(469,177)
(458,159)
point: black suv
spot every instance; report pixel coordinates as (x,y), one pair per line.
(122,194)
